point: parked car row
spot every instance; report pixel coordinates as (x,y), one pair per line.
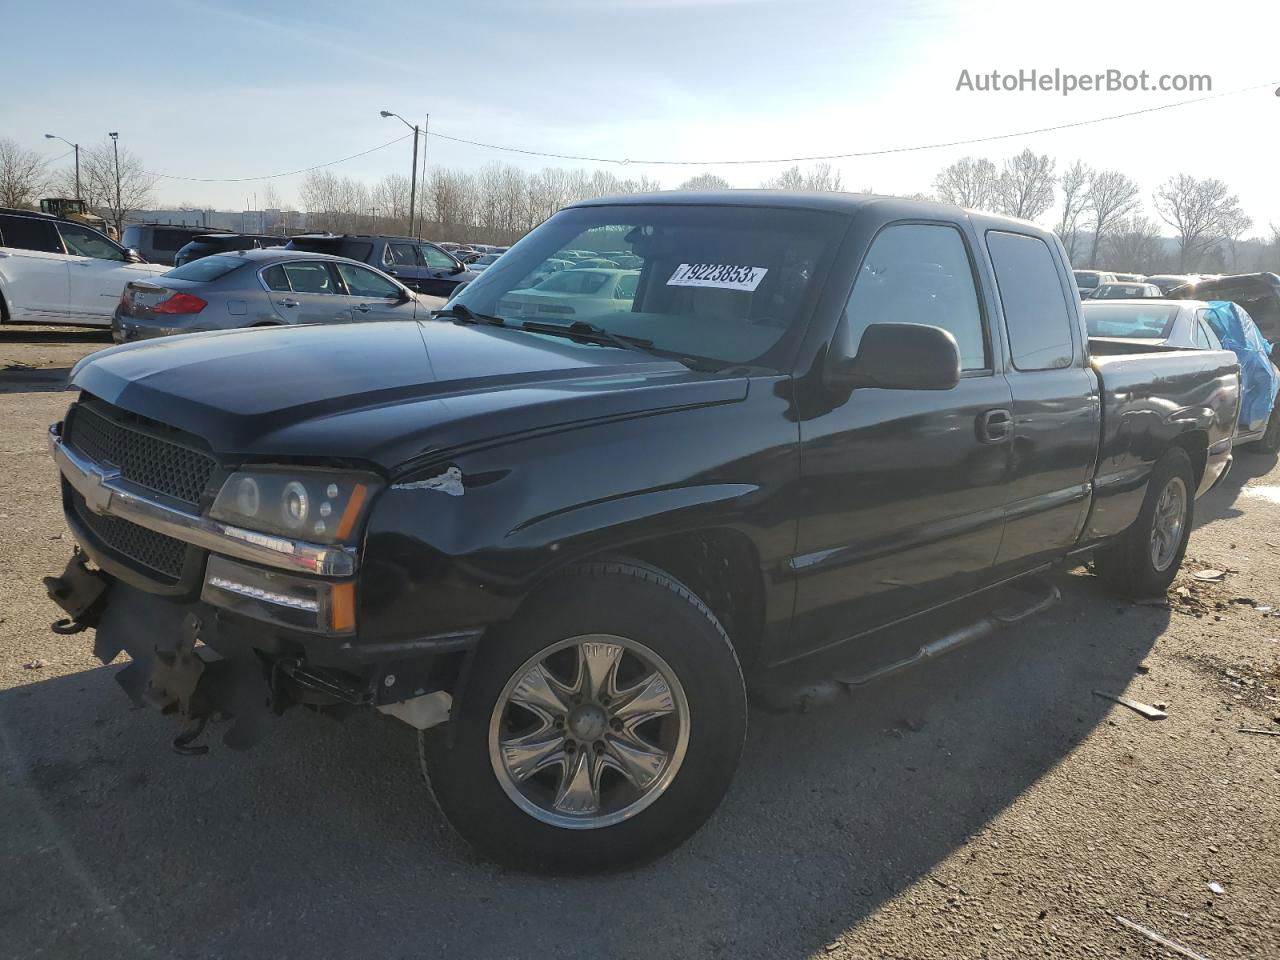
(55,270)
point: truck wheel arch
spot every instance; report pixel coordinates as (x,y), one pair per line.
(1196,444)
(720,566)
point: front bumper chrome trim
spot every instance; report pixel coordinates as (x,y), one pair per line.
(106,492)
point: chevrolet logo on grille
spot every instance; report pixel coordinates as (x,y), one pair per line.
(97,495)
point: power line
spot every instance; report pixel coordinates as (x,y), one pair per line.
(287,173)
(861,153)
(626,161)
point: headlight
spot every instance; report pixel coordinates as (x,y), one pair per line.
(315,505)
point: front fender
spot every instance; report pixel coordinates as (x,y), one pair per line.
(462,544)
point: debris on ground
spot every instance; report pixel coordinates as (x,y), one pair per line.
(1157,938)
(1210,574)
(36,664)
(1217,888)
(1148,711)
(1261,733)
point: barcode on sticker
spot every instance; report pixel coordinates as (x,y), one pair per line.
(723,276)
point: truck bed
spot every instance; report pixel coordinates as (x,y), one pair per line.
(1151,395)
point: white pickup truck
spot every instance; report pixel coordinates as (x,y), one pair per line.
(54,270)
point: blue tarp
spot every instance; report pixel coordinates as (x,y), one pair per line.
(1259,380)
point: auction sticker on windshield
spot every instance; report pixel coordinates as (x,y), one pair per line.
(723,276)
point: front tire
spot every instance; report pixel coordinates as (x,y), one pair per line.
(597,730)
(1143,560)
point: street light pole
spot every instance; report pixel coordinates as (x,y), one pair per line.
(413,179)
(115,146)
(76,148)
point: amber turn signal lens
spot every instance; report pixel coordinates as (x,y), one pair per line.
(352,513)
(342,607)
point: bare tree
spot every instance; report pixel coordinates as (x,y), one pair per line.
(1234,224)
(967,183)
(821,176)
(1024,188)
(271,197)
(1134,245)
(1075,189)
(1111,198)
(22,175)
(116,191)
(705,181)
(1200,210)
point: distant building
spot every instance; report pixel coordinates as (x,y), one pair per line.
(278,222)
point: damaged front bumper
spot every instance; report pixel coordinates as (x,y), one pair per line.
(198,662)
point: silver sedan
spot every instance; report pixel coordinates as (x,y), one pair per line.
(1171,323)
(260,288)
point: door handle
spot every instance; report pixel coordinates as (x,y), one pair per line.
(363,307)
(288,302)
(995,426)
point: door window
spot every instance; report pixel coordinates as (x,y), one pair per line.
(400,255)
(1035,308)
(435,258)
(276,279)
(29,233)
(309,277)
(365,283)
(83,242)
(919,273)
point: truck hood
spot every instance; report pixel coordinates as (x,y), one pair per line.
(386,393)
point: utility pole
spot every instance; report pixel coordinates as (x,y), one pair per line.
(76,148)
(115,146)
(413,178)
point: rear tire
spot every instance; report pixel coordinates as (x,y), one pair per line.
(1269,442)
(1144,560)
(550,763)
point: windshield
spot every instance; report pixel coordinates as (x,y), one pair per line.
(208,268)
(1136,321)
(727,284)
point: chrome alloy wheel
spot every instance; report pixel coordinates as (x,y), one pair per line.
(589,732)
(1167,523)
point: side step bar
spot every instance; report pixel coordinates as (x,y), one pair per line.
(1045,598)
(802,696)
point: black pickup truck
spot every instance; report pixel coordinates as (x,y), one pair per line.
(561,531)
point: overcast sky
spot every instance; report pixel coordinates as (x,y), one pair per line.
(243,89)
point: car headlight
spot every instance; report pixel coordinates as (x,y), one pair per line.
(320,506)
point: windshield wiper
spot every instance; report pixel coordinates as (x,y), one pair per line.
(461,313)
(581,330)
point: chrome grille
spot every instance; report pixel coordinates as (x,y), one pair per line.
(141,457)
(155,551)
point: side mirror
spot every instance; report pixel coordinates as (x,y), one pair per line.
(901,356)
(133,256)
(457,269)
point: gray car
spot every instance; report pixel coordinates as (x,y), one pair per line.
(261,288)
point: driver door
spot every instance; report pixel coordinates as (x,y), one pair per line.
(440,276)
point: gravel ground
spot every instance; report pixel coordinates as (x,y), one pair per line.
(985,805)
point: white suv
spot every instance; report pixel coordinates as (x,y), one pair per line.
(59,271)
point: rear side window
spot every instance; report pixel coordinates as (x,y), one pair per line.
(207,268)
(400,255)
(28,233)
(1035,308)
(309,277)
(275,279)
(919,273)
